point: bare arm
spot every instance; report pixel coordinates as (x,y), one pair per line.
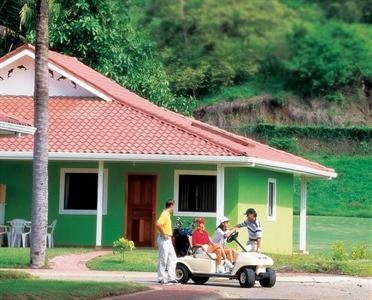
(259,245)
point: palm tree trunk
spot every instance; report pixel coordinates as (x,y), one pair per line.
(40,157)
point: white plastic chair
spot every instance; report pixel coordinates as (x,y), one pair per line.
(50,230)
(18,234)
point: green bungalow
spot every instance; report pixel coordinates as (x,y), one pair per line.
(115,158)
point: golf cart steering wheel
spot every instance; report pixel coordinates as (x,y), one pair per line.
(232,237)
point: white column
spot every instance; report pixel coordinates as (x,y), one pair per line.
(303,215)
(220,192)
(99,205)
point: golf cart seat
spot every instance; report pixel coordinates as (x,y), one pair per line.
(205,255)
(198,252)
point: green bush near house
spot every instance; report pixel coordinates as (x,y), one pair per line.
(285,144)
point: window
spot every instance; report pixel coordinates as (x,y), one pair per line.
(271,200)
(196,193)
(78,191)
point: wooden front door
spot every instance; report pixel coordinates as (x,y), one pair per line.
(141,209)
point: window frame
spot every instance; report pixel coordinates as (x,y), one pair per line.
(178,213)
(62,210)
(273,217)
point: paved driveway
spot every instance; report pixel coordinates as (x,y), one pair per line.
(348,288)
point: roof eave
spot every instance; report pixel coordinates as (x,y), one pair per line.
(16,128)
(243,161)
(292,168)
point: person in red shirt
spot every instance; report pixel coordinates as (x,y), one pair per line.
(200,238)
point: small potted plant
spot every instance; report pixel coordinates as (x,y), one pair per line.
(121,245)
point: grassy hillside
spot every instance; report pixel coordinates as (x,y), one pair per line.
(350,194)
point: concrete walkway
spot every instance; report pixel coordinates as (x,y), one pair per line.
(73,267)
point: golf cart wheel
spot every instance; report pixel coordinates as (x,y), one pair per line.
(199,279)
(182,274)
(269,281)
(247,278)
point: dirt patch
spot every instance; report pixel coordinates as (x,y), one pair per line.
(295,111)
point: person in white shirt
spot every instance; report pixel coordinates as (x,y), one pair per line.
(220,236)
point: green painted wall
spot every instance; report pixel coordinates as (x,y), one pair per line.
(248,187)
(18,178)
(243,188)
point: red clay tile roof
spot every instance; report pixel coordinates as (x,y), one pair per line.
(7,118)
(128,124)
(95,126)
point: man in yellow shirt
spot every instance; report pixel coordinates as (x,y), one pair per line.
(167,258)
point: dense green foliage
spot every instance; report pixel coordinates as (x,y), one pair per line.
(348,195)
(323,133)
(208,44)
(102,34)
(348,10)
(168,51)
(326,58)
(105,36)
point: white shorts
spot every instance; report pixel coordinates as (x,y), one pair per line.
(251,246)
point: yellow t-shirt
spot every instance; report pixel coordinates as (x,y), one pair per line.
(165,221)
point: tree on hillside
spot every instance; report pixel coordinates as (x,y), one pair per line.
(40,156)
(105,35)
(325,58)
(207,44)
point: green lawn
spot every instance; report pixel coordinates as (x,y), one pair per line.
(317,263)
(323,231)
(349,194)
(17,285)
(144,260)
(20,257)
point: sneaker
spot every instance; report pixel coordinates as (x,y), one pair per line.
(228,264)
(220,270)
(162,282)
(173,282)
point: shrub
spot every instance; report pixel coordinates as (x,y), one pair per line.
(324,133)
(359,251)
(336,97)
(327,57)
(339,251)
(121,245)
(286,144)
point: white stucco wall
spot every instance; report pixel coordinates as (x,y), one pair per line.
(21,82)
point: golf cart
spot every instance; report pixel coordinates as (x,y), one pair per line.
(199,266)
